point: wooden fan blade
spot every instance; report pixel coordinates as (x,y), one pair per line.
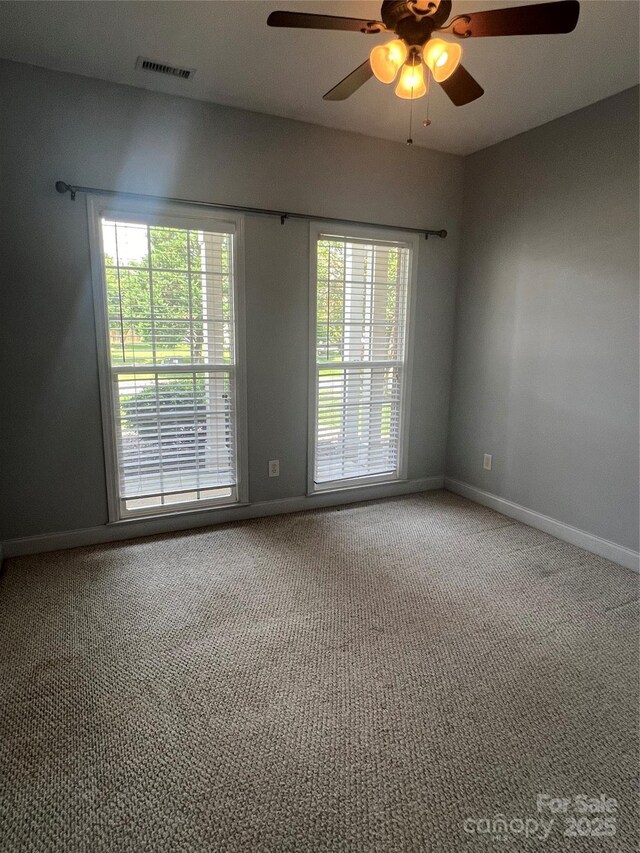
(351,83)
(461,87)
(538,19)
(324,22)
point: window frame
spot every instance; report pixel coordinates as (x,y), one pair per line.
(373,234)
(178,216)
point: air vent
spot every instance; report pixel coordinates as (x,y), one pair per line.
(163,68)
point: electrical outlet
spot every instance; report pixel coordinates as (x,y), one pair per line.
(274,468)
(488,459)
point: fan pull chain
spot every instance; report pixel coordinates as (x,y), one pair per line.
(427,120)
(410,140)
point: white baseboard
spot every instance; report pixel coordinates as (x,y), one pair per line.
(205,518)
(602,547)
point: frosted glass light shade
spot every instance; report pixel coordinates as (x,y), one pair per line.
(442,58)
(411,84)
(387,58)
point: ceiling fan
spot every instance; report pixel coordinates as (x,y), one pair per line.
(414,23)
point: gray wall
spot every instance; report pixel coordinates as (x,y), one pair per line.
(546,342)
(546,365)
(58,126)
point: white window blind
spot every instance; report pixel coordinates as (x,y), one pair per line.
(361,300)
(171,327)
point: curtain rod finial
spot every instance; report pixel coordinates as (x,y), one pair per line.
(65,188)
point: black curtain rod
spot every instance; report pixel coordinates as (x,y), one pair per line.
(63,188)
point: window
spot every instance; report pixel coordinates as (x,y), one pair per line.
(167,315)
(361,292)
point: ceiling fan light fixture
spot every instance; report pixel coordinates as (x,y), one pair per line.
(411,84)
(414,22)
(387,58)
(441,57)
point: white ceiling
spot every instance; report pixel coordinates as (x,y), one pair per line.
(242,62)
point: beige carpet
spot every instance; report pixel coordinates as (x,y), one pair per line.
(387,677)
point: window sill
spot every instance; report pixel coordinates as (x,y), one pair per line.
(178,513)
(332,489)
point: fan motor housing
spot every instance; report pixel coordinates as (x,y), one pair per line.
(405,19)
